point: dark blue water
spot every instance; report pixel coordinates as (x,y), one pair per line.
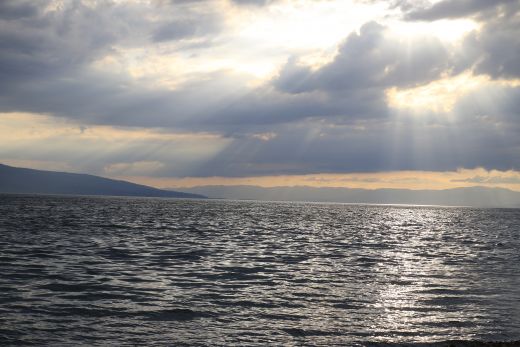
(122,271)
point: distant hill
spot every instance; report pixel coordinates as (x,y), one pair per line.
(29,181)
(472,196)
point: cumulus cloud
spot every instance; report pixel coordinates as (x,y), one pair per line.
(370,60)
(493,50)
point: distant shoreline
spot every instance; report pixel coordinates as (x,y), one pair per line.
(64,195)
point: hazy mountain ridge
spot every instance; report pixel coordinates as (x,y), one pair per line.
(471,196)
(29,181)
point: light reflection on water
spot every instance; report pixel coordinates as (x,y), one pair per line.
(98,271)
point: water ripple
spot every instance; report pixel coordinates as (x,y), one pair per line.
(123,271)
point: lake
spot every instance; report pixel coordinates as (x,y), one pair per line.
(143,271)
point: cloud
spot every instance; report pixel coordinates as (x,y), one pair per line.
(63,42)
(57,77)
(185,20)
(370,59)
(480,131)
(495,48)
(403,5)
(175,30)
(46,64)
(366,65)
(333,117)
(47,44)
(17,9)
(449,9)
(490,180)
(252,2)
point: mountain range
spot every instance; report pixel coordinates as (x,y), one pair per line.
(28,181)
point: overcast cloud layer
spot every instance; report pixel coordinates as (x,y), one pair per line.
(160,66)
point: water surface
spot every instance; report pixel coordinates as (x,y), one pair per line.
(124,271)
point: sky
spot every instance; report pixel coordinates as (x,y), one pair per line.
(348,93)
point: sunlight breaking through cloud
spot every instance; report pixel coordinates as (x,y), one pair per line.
(223,88)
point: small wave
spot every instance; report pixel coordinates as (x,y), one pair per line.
(298,332)
(176,314)
(347,306)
